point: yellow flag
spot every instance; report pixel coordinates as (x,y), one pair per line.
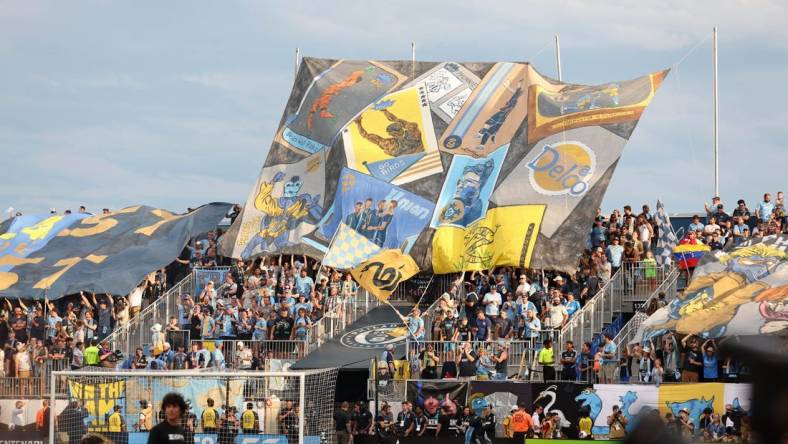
(381,273)
(505,236)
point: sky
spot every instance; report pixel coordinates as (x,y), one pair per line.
(174,104)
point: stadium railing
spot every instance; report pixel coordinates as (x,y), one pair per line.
(596,312)
(633,285)
(520,352)
(137,331)
(640,279)
(630,329)
(289,350)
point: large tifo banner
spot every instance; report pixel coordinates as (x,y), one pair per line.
(510,164)
(738,291)
(64,254)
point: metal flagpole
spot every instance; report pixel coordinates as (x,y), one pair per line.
(716,123)
(297,61)
(558,56)
(412,59)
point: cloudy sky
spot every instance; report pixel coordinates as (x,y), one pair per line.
(174,104)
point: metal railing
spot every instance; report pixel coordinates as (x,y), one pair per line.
(633,283)
(137,331)
(630,329)
(390,390)
(343,312)
(520,352)
(234,358)
(596,312)
(22,388)
(640,279)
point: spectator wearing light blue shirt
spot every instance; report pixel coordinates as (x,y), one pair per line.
(571,305)
(302,303)
(260,329)
(304,284)
(532,325)
(167,355)
(764,209)
(227,318)
(415,327)
(609,360)
(598,233)
(740,231)
(614,253)
(156,364)
(696,224)
(218,356)
(52,321)
(711,211)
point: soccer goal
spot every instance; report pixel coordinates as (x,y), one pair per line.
(224,407)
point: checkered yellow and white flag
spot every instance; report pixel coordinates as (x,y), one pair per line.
(348,249)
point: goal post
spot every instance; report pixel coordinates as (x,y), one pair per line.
(224,407)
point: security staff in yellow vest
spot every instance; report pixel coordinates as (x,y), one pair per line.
(209,418)
(250,422)
(116,427)
(546,359)
(91,354)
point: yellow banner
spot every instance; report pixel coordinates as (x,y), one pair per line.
(381,273)
(99,401)
(506,236)
(693,397)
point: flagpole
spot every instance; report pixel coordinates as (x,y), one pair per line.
(558,56)
(297,61)
(412,59)
(716,122)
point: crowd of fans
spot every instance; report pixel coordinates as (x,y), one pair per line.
(282,298)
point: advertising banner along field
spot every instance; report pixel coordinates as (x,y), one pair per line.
(464,166)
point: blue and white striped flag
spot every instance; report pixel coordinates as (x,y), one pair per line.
(667,240)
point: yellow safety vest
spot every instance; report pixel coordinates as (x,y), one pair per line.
(209,418)
(115,423)
(91,355)
(247,420)
(547,356)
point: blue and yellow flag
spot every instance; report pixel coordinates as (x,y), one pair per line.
(109,253)
(381,273)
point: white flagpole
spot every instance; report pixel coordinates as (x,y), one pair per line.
(558,56)
(716,123)
(412,59)
(297,61)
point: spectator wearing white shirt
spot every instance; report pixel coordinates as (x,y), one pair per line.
(492,303)
(556,314)
(523,288)
(711,227)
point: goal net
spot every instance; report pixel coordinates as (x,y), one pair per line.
(249,408)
